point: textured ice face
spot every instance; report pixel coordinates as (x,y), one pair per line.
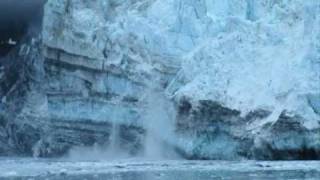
(244,55)
(266,62)
(247,70)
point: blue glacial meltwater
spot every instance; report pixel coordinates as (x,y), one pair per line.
(135,169)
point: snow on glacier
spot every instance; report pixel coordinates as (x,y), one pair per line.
(261,64)
(245,54)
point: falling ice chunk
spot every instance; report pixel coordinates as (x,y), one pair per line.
(12,42)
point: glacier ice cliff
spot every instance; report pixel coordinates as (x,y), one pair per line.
(205,79)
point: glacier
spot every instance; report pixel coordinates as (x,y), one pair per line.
(195,79)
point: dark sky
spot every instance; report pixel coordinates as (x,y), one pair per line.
(16,17)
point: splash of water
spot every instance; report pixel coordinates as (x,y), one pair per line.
(159,122)
(114,138)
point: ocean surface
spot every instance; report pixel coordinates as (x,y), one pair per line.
(141,169)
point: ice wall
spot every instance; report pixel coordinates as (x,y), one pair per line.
(242,77)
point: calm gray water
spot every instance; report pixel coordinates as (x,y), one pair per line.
(138,169)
